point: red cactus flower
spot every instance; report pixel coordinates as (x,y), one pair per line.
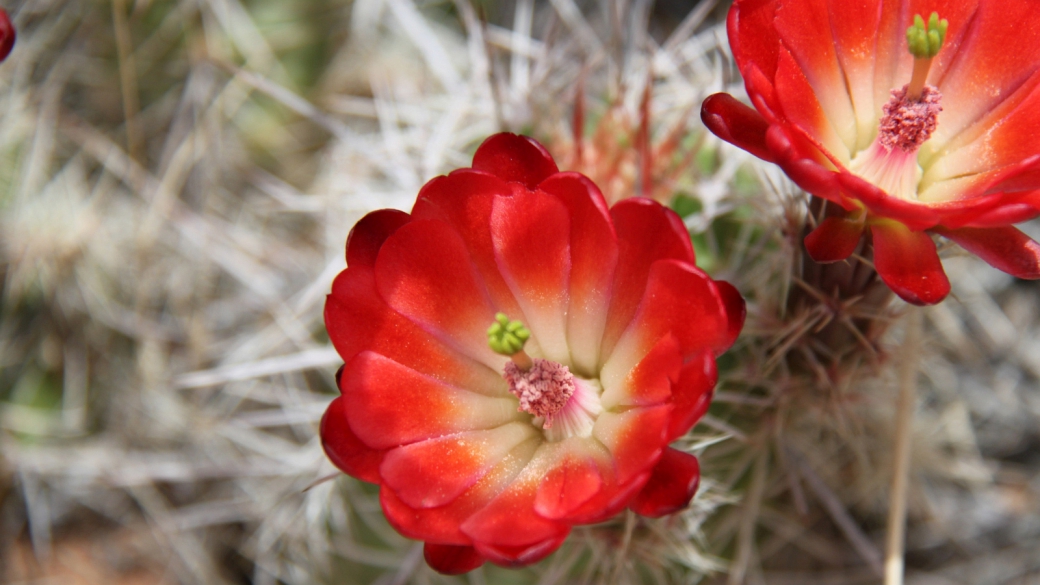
(484,458)
(908,144)
(7,35)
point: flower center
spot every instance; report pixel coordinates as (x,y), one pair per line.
(562,404)
(908,123)
(891,161)
(908,119)
(543,390)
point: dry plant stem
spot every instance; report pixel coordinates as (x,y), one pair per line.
(626,540)
(838,513)
(896,531)
(749,519)
(127,77)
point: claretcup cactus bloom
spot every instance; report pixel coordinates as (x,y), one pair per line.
(7,35)
(911,127)
(612,333)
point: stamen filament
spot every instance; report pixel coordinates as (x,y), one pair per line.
(916,87)
(924,41)
(522,361)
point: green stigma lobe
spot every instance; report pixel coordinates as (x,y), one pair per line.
(925,40)
(507,337)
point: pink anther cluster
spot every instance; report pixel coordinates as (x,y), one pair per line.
(543,390)
(909,123)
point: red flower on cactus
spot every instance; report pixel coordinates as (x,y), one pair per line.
(7,35)
(489,458)
(940,138)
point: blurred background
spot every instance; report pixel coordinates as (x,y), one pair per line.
(177,180)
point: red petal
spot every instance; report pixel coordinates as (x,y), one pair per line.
(808,72)
(424,273)
(435,524)
(519,556)
(835,239)
(464,199)
(573,480)
(530,232)
(692,394)
(803,163)
(610,500)
(855,24)
(1020,184)
(509,520)
(908,263)
(634,438)
(7,35)
(1004,248)
(752,37)
(449,559)
(390,405)
(433,473)
(594,253)
(736,312)
(344,449)
(916,216)
(763,94)
(1002,204)
(515,158)
(989,151)
(671,486)
(816,179)
(650,381)
(737,124)
(977,71)
(357,319)
(681,300)
(367,236)
(892,66)
(1006,214)
(442,524)
(646,232)
(829,126)
(604,503)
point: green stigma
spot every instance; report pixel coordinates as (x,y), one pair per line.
(507,337)
(925,41)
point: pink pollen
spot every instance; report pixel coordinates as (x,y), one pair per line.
(543,390)
(907,123)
